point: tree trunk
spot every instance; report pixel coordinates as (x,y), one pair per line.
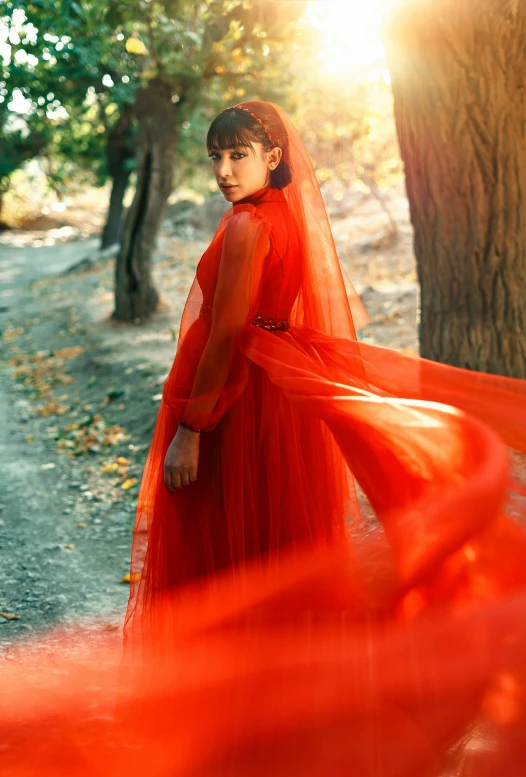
(458,73)
(135,296)
(112,228)
(120,153)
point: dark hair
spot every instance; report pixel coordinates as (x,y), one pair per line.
(236,127)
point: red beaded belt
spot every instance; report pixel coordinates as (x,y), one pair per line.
(270,324)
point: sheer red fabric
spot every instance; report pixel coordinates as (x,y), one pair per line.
(271,630)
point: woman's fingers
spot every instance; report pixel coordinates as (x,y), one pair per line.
(183,477)
(180,465)
(188,476)
(168,478)
(177,477)
(173,478)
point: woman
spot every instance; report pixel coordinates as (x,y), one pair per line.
(273,645)
(236,471)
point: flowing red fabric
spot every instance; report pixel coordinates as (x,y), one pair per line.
(272,627)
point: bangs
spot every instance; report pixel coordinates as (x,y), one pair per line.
(226,132)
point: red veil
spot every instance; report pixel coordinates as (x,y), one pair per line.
(370,651)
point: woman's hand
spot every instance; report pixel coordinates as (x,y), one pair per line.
(182,456)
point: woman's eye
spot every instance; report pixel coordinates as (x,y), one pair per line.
(236,154)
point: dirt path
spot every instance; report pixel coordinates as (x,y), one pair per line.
(50,569)
(61,555)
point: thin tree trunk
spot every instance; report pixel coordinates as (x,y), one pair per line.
(458,72)
(120,153)
(135,295)
(112,229)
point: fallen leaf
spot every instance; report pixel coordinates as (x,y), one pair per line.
(69,353)
(81,525)
(115,394)
(9,616)
(122,460)
(69,547)
(10,334)
(129,483)
(128,579)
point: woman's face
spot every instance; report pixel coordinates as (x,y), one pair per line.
(246,170)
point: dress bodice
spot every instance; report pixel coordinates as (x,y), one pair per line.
(281,273)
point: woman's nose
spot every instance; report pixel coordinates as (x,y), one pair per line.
(224,168)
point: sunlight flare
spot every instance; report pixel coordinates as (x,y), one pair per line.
(349,34)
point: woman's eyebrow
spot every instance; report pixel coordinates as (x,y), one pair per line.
(233,148)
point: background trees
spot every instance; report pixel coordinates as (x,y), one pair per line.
(120,86)
(197,55)
(125,91)
(77,81)
(458,76)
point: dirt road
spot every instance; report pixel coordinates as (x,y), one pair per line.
(61,554)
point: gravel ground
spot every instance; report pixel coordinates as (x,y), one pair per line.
(50,568)
(63,548)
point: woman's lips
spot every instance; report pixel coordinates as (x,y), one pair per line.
(228,188)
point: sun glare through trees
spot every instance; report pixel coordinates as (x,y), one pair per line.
(349,34)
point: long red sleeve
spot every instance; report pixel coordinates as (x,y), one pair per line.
(245,246)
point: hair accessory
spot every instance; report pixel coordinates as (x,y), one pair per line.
(242,107)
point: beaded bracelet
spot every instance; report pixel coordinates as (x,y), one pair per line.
(187,426)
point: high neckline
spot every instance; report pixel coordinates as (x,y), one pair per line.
(266,194)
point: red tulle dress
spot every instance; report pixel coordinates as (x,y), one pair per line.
(271,629)
(270,475)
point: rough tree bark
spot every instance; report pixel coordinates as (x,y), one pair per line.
(458,73)
(120,152)
(135,295)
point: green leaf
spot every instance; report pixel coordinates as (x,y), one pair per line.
(77,8)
